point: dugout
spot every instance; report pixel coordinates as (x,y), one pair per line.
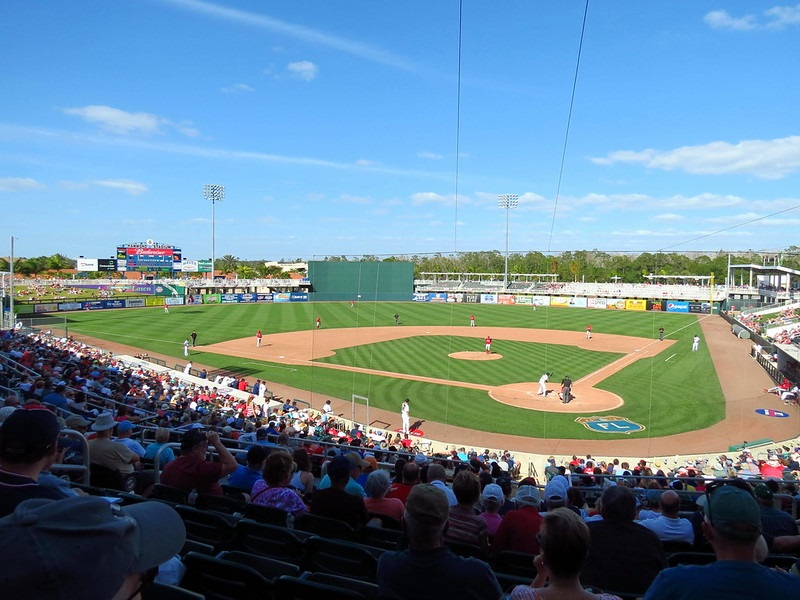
(364,281)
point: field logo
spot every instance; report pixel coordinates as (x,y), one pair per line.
(768,412)
(610,424)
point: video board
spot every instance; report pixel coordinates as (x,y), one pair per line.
(148,257)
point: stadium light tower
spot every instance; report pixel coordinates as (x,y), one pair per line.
(508,202)
(215,193)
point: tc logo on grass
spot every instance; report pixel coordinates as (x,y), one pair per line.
(610,424)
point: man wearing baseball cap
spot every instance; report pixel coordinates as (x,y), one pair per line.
(28,446)
(85,548)
(732,525)
(428,570)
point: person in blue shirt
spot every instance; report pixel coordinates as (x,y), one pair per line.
(162,437)
(244,477)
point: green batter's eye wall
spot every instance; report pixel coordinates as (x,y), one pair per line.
(365,281)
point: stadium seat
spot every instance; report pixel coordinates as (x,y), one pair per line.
(295,588)
(265,514)
(266,567)
(219,579)
(194,546)
(380,537)
(207,527)
(105,477)
(324,527)
(366,588)
(169,493)
(224,504)
(466,550)
(269,540)
(341,557)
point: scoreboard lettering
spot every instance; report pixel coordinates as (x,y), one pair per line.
(148,258)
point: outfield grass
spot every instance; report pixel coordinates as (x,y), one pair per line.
(666,396)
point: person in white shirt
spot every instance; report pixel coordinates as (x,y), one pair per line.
(543,384)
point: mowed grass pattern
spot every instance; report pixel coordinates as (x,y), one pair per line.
(429,356)
(666,396)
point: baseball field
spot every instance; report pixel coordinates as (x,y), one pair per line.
(647,389)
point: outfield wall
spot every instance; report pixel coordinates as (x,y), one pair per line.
(672,306)
(364,281)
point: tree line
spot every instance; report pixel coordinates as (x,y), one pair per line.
(582,265)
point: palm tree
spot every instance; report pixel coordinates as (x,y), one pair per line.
(227,264)
(59,262)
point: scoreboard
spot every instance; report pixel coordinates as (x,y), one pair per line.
(148,257)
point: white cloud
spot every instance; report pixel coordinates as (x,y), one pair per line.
(430,155)
(133,188)
(19,184)
(291,30)
(117,121)
(665,217)
(783,16)
(766,159)
(237,88)
(777,17)
(422,198)
(720,19)
(303,69)
(114,120)
(363,162)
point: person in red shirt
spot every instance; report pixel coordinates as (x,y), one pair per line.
(318,322)
(191,471)
(258,338)
(519,527)
(410,479)
(488,342)
(588,332)
(472,320)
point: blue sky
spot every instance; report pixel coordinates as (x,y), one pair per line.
(338,127)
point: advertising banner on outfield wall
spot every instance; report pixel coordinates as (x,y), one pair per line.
(578,302)
(134,302)
(264,297)
(192,299)
(418,297)
(46,308)
(679,306)
(229,298)
(596,302)
(298,296)
(86,264)
(656,305)
(615,304)
(211,299)
(559,300)
(635,304)
(488,299)
(437,297)
(700,307)
(472,298)
(281,297)
(506,299)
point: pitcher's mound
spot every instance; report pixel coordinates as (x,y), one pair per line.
(475,356)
